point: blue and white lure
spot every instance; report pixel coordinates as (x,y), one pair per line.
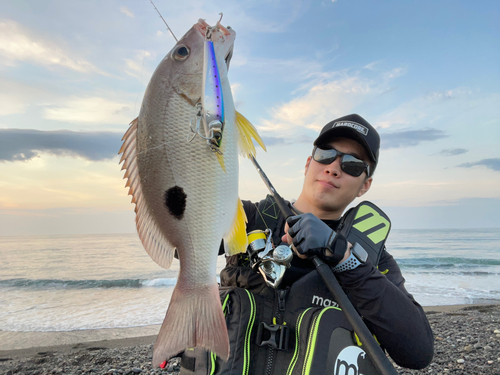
(211,109)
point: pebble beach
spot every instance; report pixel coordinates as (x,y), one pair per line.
(467,341)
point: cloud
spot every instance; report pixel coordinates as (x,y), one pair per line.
(18,43)
(273,141)
(323,97)
(126,11)
(427,108)
(372,65)
(26,144)
(493,163)
(407,138)
(462,213)
(453,152)
(16,97)
(319,105)
(135,66)
(395,73)
(97,110)
(292,70)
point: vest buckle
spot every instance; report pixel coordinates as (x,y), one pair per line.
(274,335)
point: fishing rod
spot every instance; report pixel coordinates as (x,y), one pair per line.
(377,355)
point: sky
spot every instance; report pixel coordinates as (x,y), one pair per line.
(426,74)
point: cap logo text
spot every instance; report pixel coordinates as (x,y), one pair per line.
(353,125)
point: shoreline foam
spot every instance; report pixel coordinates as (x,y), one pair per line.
(26,343)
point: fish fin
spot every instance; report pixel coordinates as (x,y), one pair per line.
(220,159)
(194,319)
(246,132)
(156,245)
(236,240)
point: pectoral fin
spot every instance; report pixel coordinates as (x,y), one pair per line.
(236,240)
(246,132)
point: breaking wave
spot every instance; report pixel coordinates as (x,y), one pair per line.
(87,284)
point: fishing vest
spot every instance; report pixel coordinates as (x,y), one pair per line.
(296,330)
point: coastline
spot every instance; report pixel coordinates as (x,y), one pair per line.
(29,343)
(465,335)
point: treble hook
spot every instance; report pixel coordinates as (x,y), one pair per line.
(211,140)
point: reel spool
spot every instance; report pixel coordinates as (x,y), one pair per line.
(269,261)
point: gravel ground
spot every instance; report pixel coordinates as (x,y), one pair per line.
(466,342)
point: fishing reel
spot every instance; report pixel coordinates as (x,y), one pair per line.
(271,262)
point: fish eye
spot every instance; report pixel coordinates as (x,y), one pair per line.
(181,53)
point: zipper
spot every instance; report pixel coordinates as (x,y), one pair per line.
(246,352)
(311,343)
(297,341)
(280,309)
(226,309)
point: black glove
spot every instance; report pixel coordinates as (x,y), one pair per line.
(311,237)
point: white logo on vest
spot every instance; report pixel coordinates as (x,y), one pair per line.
(352,360)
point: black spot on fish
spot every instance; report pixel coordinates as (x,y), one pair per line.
(175,200)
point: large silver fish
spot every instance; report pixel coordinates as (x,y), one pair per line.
(185,187)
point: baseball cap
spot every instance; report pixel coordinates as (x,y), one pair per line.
(354,127)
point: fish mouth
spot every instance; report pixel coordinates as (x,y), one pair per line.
(202,27)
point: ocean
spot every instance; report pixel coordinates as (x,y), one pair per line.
(75,282)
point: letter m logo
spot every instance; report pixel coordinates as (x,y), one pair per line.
(371,224)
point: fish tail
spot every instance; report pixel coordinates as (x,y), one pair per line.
(194,319)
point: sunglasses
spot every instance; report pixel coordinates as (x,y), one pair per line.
(349,163)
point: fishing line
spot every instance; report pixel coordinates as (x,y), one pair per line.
(140,80)
(255,204)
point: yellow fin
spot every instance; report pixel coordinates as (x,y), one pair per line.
(220,159)
(236,240)
(246,132)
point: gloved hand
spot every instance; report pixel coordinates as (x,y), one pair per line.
(311,237)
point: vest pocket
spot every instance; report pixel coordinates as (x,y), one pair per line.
(325,344)
(239,309)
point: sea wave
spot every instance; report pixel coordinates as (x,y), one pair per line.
(446,262)
(86,284)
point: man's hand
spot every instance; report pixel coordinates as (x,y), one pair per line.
(311,237)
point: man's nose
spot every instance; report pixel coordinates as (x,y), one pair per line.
(334,167)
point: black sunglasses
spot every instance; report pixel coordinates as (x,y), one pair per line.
(349,163)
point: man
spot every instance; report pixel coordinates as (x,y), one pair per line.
(339,170)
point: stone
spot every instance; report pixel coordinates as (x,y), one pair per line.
(461,360)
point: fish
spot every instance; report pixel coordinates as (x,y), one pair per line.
(184,182)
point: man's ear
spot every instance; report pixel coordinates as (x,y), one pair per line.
(307,164)
(365,187)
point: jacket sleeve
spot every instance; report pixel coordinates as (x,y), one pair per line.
(390,312)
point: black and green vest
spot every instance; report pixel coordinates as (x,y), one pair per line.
(298,329)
